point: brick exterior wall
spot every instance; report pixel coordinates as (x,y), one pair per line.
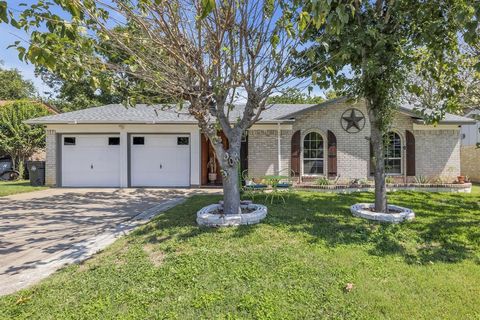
(437,151)
(352,149)
(51,159)
(470,162)
(263,152)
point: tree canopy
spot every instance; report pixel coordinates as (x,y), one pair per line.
(206,52)
(76,94)
(427,92)
(94,87)
(200,54)
(370,52)
(13,86)
(18,139)
(294,95)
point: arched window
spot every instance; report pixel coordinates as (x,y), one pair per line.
(313,158)
(393,154)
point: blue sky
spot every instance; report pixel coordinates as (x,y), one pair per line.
(10,60)
(9,57)
(8,35)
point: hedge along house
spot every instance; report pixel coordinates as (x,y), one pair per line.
(149,146)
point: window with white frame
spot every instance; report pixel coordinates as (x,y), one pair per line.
(313,158)
(393,154)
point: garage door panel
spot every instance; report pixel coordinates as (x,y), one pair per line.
(160,162)
(91,162)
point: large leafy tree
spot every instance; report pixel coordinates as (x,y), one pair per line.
(18,139)
(82,91)
(13,86)
(70,95)
(369,53)
(294,95)
(427,92)
(202,54)
(76,94)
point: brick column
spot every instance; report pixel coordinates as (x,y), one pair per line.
(51,159)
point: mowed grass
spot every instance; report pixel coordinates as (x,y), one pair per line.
(13,187)
(294,265)
(476,188)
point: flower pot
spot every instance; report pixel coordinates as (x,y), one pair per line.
(461,179)
(212,177)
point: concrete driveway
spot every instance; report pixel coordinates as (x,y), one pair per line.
(42,231)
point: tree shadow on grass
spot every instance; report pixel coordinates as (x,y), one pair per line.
(446,229)
(178,222)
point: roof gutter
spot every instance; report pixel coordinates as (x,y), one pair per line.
(141,122)
(462,122)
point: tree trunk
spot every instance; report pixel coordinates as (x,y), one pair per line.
(231,186)
(14,162)
(231,191)
(378,153)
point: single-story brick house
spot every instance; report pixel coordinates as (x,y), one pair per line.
(144,146)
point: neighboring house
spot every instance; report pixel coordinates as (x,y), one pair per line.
(470,151)
(116,146)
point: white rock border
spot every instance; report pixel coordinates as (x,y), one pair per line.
(205,217)
(361,210)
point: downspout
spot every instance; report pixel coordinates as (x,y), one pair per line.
(279,156)
(404,161)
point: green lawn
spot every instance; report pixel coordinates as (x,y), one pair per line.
(13,187)
(476,188)
(294,265)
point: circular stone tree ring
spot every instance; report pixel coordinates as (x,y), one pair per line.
(208,216)
(399,214)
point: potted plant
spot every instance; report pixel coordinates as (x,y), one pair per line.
(461,179)
(212,169)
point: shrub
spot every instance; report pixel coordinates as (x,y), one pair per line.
(389,179)
(422,179)
(323,181)
(18,139)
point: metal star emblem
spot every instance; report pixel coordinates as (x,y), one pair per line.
(353,121)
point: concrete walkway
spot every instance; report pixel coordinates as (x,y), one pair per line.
(44,230)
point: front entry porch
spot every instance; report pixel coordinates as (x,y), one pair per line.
(211,175)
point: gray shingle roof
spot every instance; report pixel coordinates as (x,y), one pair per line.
(406,109)
(448,119)
(117,113)
(141,114)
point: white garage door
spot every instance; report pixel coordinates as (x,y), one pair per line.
(160,160)
(90,160)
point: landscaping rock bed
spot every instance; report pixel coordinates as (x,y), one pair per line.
(212,216)
(367,211)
